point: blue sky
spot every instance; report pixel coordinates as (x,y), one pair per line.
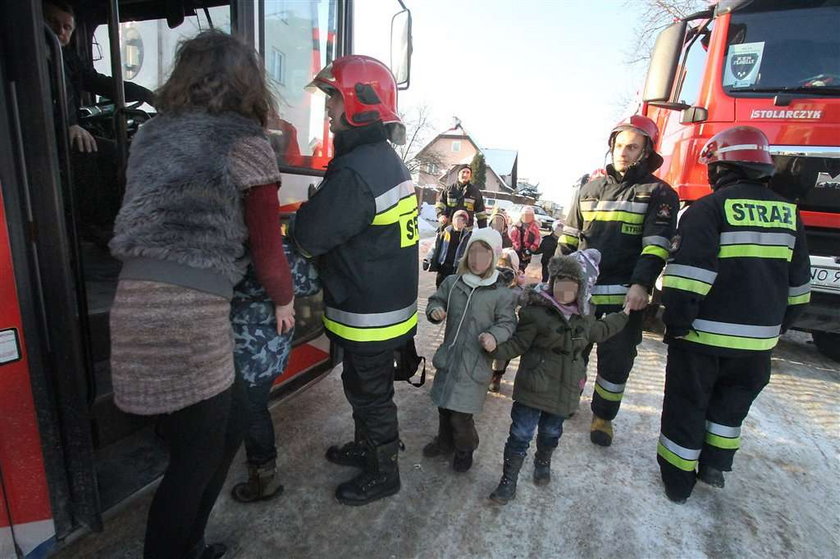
(546,77)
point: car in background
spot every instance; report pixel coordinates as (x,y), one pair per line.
(491,204)
(544,220)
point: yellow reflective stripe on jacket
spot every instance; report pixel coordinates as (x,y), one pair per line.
(799,295)
(614,210)
(678,456)
(755,251)
(656,251)
(688,278)
(375,334)
(756,244)
(733,336)
(407,205)
(609,294)
(685,284)
(760,213)
(615,215)
(568,240)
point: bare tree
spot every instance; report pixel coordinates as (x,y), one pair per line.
(654,16)
(419,129)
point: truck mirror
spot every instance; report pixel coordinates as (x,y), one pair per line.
(694,114)
(401,47)
(664,60)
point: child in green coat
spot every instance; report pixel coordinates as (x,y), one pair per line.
(554,328)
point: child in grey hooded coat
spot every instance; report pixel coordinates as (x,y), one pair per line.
(553,330)
(475,302)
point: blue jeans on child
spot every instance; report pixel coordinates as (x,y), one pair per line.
(526,420)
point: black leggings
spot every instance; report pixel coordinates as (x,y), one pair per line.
(202,440)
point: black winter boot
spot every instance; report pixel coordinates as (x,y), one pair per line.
(506,490)
(711,476)
(381,477)
(442,444)
(462,461)
(542,465)
(352,454)
(262,484)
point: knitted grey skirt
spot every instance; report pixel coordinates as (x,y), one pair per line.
(171,347)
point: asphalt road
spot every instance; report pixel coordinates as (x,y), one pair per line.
(782,500)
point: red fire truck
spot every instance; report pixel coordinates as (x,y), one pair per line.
(67,454)
(774,65)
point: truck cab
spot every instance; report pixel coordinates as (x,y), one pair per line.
(774,66)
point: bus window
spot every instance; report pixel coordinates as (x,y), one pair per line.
(148,47)
(298,39)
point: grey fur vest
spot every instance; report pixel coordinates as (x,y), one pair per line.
(182,219)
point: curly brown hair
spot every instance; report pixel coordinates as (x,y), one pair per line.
(216,72)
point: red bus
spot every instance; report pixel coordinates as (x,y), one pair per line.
(774,65)
(67,454)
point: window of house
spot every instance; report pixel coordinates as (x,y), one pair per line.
(278,66)
(456,146)
(431,168)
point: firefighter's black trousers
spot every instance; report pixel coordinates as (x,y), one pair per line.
(615,361)
(707,398)
(369,386)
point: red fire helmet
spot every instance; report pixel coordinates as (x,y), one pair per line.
(740,144)
(367,87)
(641,124)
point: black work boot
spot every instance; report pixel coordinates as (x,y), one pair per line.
(711,476)
(542,465)
(506,490)
(263,483)
(352,454)
(674,496)
(381,477)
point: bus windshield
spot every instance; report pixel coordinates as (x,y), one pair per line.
(796,50)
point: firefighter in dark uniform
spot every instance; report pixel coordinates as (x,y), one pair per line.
(629,215)
(361,224)
(738,276)
(463,195)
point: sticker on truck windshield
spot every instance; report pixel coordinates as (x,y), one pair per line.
(743,63)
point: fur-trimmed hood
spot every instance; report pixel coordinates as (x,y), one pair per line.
(582,268)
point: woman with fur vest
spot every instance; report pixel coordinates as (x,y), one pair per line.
(476,302)
(202,180)
(553,331)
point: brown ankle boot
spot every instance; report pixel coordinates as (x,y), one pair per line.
(262,484)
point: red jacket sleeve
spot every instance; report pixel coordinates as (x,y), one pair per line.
(266,242)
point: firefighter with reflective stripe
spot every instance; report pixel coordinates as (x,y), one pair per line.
(629,215)
(361,225)
(463,195)
(738,276)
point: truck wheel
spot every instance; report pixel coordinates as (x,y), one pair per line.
(828,343)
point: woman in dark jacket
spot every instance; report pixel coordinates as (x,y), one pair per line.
(201,180)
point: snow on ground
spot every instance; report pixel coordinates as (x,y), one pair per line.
(781,500)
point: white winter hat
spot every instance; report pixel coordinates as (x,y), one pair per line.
(489,236)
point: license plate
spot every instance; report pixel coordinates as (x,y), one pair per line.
(825,279)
